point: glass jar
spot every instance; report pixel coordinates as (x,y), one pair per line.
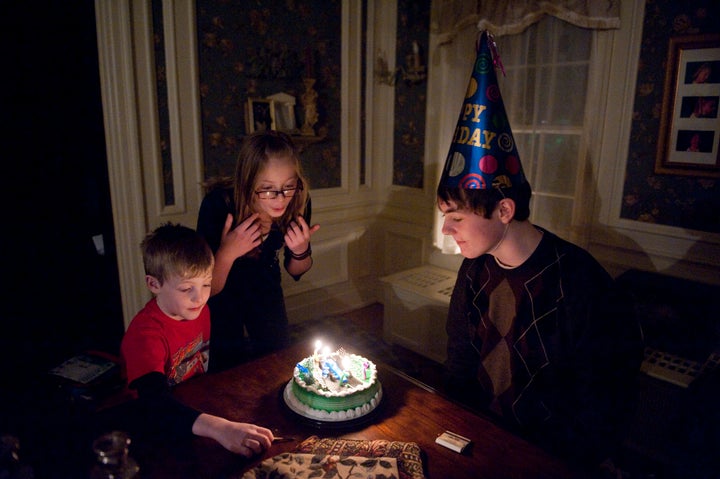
(113,459)
(10,465)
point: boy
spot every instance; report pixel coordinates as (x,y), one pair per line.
(538,333)
(167,341)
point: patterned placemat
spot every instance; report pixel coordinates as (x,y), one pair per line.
(291,465)
(407,454)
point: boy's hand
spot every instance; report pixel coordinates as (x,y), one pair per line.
(245,439)
(297,237)
(238,437)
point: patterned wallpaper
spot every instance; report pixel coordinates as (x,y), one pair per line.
(410,93)
(685,202)
(162,102)
(260,48)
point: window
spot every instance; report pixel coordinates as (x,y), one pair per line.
(544,91)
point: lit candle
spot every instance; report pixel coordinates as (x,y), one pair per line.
(318,345)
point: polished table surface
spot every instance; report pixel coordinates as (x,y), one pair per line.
(409,411)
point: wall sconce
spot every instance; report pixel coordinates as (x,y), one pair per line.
(413,72)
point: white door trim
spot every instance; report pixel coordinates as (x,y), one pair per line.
(127,77)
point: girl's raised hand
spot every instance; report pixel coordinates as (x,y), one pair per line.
(297,236)
(243,238)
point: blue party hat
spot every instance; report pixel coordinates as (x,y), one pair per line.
(483,153)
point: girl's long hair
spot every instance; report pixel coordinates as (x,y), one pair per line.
(254,154)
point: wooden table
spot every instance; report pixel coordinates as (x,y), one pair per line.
(409,411)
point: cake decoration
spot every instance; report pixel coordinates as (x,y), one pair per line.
(333,386)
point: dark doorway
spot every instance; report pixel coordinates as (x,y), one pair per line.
(58,252)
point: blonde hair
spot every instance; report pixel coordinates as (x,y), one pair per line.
(175,250)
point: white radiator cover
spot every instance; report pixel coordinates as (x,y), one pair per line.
(416,304)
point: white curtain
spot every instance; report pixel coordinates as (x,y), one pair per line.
(510,17)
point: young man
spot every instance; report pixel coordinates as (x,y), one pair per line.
(537,331)
(167,341)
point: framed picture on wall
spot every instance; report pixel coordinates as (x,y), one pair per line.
(261,115)
(689,140)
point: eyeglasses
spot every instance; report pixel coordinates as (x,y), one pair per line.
(272,194)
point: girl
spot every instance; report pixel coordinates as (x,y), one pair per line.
(247,220)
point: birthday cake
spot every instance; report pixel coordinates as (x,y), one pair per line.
(333,387)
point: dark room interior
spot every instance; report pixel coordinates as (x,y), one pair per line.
(64,296)
(62,290)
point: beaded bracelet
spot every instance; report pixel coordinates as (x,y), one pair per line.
(302,255)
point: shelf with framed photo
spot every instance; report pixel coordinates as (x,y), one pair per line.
(277,112)
(260,114)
